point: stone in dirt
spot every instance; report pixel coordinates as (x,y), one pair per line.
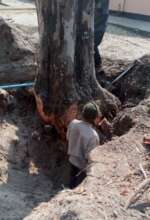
(7,101)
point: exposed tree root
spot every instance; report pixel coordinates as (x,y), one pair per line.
(59,121)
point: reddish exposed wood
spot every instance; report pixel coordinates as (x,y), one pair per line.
(60,122)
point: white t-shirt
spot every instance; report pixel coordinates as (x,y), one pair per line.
(82,138)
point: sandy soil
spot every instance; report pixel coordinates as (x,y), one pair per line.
(21,12)
(124,44)
(17,3)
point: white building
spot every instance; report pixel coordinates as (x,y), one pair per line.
(133,7)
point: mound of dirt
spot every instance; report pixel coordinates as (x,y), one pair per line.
(135,86)
(17,54)
(122,124)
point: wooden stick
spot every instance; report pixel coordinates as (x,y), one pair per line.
(139,188)
(143,171)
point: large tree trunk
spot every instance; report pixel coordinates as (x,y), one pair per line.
(66,73)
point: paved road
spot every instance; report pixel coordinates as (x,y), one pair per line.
(130,23)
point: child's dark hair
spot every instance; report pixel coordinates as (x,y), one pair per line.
(90,112)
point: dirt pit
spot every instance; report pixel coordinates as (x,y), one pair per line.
(34,167)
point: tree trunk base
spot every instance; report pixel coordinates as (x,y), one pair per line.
(60,122)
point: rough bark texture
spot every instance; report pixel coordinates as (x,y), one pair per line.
(66,74)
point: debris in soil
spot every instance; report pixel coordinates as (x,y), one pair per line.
(139,189)
(7,103)
(3,99)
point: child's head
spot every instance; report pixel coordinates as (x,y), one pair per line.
(91,113)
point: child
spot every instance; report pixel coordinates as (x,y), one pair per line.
(82,138)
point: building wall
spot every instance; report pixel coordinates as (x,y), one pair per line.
(132,6)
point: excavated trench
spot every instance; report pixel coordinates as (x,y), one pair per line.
(131,90)
(33,163)
(42,149)
(37,147)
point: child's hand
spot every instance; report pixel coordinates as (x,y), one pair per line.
(101,120)
(105,126)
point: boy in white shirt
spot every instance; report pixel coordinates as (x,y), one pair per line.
(82,138)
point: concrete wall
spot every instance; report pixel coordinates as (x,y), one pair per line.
(132,6)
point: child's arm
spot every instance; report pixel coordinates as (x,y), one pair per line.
(105,127)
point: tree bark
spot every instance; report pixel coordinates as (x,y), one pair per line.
(66,73)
